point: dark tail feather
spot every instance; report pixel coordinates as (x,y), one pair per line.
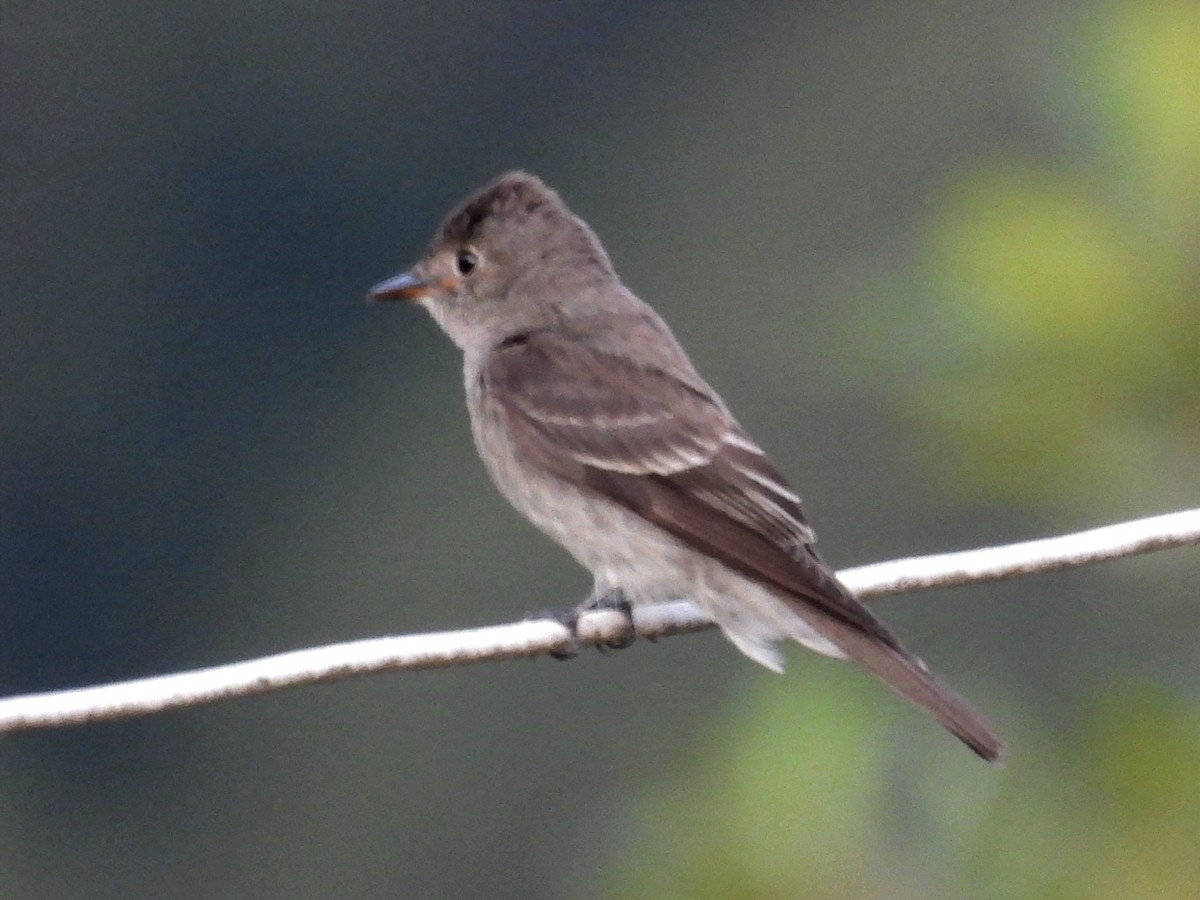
(908,677)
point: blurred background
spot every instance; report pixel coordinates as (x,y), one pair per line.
(942,260)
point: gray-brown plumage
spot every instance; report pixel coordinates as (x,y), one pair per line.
(592,421)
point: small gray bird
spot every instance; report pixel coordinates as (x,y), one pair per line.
(592,421)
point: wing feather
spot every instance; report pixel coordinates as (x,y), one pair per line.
(668,451)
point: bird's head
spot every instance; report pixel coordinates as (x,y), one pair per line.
(509,258)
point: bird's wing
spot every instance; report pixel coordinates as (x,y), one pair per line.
(667,451)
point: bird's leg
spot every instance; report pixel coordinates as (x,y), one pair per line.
(600,598)
(615,599)
(569,618)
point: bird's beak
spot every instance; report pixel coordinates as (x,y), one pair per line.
(405,286)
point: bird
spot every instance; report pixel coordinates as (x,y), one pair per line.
(594,424)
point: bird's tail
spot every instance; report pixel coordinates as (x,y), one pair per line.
(909,677)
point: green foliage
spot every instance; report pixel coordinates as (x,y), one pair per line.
(748,802)
(810,791)
(1070,291)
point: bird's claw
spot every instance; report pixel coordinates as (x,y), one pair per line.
(617,601)
(568,618)
(614,600)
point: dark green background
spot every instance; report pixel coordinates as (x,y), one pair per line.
(939,258)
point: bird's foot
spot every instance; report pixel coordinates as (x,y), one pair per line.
(614,600)
(569,618)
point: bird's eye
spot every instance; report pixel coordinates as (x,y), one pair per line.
(465,262)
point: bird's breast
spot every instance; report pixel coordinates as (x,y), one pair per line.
(609,540)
